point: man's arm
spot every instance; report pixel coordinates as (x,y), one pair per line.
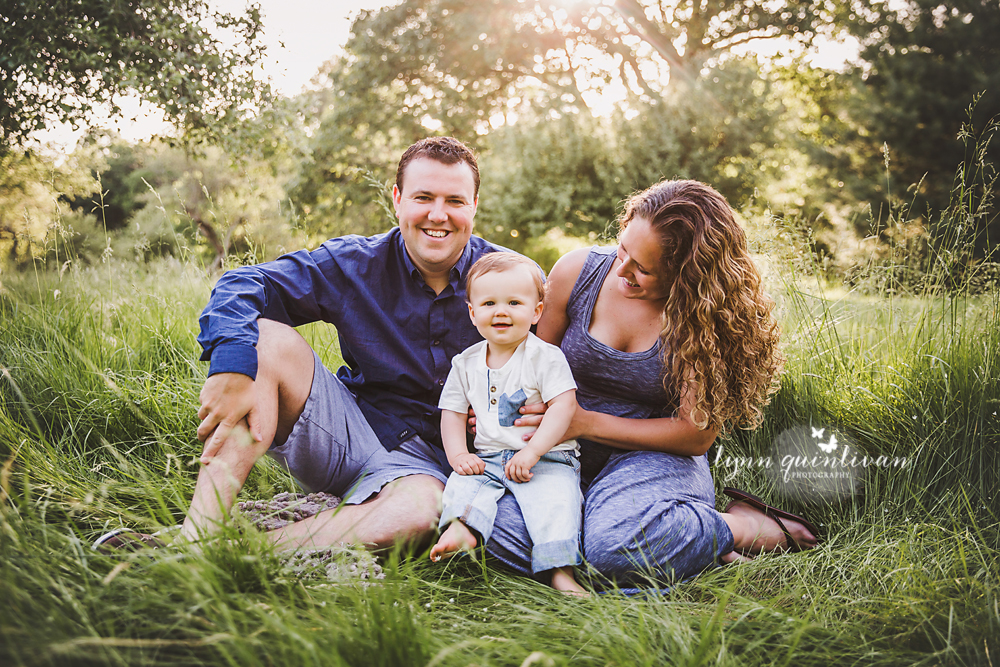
(453,439)
(550,433)
(288,290)
(294,289)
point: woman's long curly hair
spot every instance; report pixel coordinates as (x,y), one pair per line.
(718,326)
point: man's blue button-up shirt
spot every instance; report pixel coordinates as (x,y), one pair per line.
(397,336)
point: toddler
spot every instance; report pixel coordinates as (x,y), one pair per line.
(496,377)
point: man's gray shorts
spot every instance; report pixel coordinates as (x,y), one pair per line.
(333,449)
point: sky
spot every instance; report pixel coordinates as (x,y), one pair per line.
(300,36)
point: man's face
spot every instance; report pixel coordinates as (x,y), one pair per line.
(435,209)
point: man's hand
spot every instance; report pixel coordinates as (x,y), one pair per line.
(470,424)
(226,399)
(518,469)
(468,464)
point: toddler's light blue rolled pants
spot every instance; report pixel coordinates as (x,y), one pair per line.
(550,504)
(649,517)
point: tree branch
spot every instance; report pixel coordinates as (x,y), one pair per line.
(629,57)
(636,22)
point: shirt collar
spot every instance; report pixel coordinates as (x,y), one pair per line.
(411,268)
(461,266)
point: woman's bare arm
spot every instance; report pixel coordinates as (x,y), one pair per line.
(674,435)
(562,277)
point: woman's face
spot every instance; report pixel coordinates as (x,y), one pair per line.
(639,252)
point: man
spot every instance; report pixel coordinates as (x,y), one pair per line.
(370,433)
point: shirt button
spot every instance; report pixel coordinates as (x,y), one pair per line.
(441,383)
(493,401)
(437,342)
(493,388)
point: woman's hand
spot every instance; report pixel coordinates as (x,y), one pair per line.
(532,416)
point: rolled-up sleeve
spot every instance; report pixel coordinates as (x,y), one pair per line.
(294,289)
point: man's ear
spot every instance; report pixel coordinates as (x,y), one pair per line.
(397,198)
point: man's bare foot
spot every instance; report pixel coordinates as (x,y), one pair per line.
(563,580)
(755,532)
(457,538)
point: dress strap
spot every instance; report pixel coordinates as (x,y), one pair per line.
(584,295)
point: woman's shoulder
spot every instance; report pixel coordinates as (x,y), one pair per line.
(569,266)
(570,263)
(563,276)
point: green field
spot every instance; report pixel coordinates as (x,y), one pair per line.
(97,429)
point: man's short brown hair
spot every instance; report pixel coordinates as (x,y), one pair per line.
(501,261)
(446,150)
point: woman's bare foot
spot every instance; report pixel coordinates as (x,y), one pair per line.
(563,580)
(755,532)
(735,557)
(456,538)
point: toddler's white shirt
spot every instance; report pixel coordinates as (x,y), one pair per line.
(536,373)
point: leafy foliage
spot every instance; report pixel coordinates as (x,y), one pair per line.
(572,171)
(59,59)
(458,62)
(33,192)
(924,62)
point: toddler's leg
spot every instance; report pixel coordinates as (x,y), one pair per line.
(470,506)
(550,504)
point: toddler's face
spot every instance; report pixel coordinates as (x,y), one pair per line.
(504,305)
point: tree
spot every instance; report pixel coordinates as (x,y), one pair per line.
(59,59)
(428,66)
(925,61)
(33,192)
(458,63)
(573,171)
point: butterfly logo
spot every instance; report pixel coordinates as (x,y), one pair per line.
(828,447)
(818,432)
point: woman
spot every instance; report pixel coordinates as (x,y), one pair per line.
(671,340)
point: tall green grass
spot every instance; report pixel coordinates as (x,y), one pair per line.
(97,420)
(98,395)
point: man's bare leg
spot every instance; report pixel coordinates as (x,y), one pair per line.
(284,380)
(404,511)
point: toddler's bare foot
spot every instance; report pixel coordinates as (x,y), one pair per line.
(457,538)
(563,580)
